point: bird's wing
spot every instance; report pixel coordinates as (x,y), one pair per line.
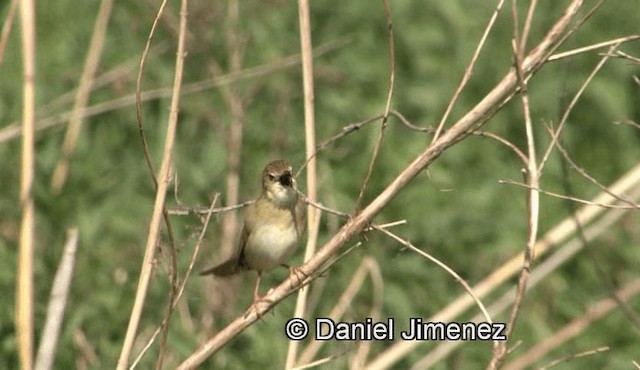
(300,217)
(237,262)
(242,262)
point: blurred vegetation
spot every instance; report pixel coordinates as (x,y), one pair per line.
(456,211)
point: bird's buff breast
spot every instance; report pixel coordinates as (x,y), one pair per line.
(270,246)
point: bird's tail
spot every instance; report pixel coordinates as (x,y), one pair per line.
(227,268)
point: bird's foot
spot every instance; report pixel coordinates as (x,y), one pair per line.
(298,273)
(254,306)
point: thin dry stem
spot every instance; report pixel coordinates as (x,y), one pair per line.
(321,361)
(623,55)
(183,283)
(629,123)
(82,96)
(442,265)
(14,130)
(185,211)
(569,109)
(137,97)
(574,356)
(554,237)
(586,175)
(595,312)
(353,127)
(533,197)
(468,71)
(6,28)
(321,207)
(24,287)
(364,347)
(114,74)
(563,254)
(313,215)
(173,269)
(385,116)
(588,48)
(368,267)
(235,44)
(577,200)
(164,176)
(57,303)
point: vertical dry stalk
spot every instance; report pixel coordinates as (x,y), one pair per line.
(179,291)
(57,303)
(82,96)
(234,101)
(313,215)
(163,182)
(532,178)
(24,289)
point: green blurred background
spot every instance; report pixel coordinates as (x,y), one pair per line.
(457,211)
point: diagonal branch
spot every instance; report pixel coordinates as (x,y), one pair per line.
(499,94)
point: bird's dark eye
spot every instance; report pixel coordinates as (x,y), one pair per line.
(271,177)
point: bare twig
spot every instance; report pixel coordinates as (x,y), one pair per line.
(569,109)
(630,182)
(25,289)
(183,284)
(588,48)
(442,265)
(138,95)
(595,312)
(82,96)
(13,130)
(574,356)
(574,199)
(629,123)
(586,175)
(563,254)
(623,55)
(154,228)
(503,141)
(6,28)
(377,281)
(368,267)
(173,268)
(321,361)
(57,303)
(475,117)
(532,178)
(385,116)
(183,211)
(468,71)
(353,127)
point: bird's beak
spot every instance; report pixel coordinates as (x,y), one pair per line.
(286,179)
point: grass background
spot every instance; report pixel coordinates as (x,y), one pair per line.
(457,211)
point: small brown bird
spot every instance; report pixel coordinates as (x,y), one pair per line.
(272,226)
